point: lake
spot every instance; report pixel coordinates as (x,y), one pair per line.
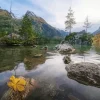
(49,72)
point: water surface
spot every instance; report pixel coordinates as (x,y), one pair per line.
(49,71)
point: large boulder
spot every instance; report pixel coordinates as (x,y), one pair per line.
(65,48)
(84,72)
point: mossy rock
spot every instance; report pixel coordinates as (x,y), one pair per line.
(16,95)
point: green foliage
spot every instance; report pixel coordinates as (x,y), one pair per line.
(30,41)
(26,30)
(71,38)
(75,38)
(9,41)
(86,39)
(5,26)
(27,33)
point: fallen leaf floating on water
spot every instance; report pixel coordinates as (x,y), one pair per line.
(18,84)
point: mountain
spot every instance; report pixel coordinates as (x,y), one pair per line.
(43,28)
(4,13)
(97,31)
(8,23)
(81,32)
(5,19)
(64,33)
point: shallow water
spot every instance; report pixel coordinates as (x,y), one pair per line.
(50,73)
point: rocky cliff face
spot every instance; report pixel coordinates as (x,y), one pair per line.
(42,27)
(4,13)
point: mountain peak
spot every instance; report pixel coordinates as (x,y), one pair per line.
(30,13)
(42,27)
(34,17)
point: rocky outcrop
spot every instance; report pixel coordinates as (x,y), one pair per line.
(65,48)
(67,59)
(11,94)
(84,72)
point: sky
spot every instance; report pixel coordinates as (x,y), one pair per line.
(55,11)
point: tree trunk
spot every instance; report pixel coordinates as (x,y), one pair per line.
(70,31)
(86,30)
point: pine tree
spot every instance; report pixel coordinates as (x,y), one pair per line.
(70,20)
(87,24)
(26,28)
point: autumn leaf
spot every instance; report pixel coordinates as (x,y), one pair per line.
(18,84)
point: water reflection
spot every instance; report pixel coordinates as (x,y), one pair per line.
(80,49)
(32,62)
(11,56)
(51,75)
(86,54)
(55,85)
(97,49)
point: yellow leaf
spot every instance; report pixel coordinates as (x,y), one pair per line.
(20,88)
(12,78)
(14,87)
(10,84)
(21,82)
(18,84)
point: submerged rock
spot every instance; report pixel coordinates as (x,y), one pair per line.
(38,55)
(84,72)
(51,54)
(32,62)
(67,59)
(72,97)
(11,94)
